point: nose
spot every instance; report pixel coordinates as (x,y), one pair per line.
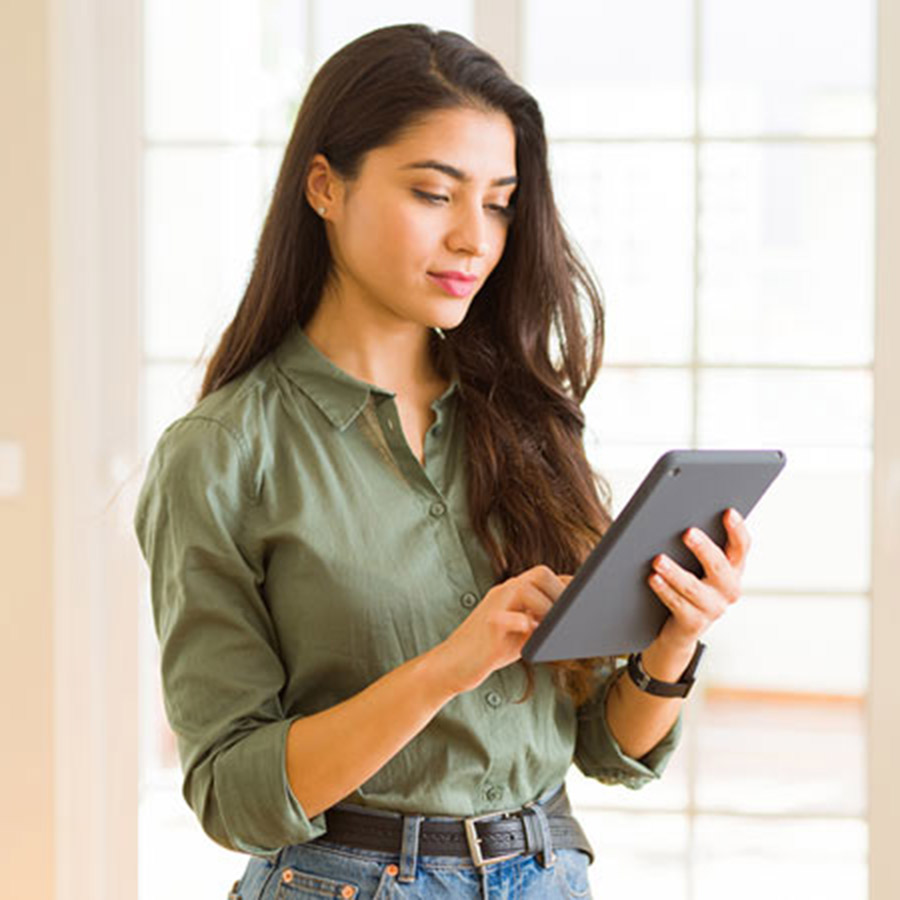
(470,234)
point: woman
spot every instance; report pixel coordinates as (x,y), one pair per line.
(355,530)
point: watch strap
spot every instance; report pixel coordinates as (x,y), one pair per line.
(651,685)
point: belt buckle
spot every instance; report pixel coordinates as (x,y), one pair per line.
(474,841)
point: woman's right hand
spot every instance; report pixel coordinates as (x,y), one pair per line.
(493,634)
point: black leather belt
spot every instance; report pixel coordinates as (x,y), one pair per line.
(487,839)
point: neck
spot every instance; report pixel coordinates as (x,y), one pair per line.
(371,345)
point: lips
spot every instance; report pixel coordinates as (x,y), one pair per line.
(461,276)
(457,284)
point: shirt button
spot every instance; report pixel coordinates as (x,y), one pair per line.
(494,793)
(493,698)
(468,600)
(438,509)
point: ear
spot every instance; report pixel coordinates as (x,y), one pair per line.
(323,186)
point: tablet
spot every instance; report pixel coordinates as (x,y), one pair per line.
(608,608)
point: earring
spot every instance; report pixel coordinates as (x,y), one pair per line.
(321,210)
(439,332)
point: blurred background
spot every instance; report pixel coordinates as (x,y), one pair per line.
(730,170)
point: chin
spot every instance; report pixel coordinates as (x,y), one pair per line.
(447,322)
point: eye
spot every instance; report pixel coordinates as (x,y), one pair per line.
(505,211)
(430,198)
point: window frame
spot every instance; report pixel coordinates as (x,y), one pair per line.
(96,125)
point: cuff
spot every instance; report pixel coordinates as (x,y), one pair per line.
(259,811)
(599,755)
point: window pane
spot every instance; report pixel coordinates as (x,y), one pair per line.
(811,531)
(639,406)
(203,211)
(783,757)
(630,209)
(222,69)
(758,408)
(637,854)
(809,643)
(597,69)
(338,22)
(806,67)
(745,859)
(169,391)
(786,246)
(176,859)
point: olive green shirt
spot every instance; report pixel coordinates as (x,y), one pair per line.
(298,551)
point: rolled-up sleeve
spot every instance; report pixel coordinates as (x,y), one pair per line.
(221,671)
(598,754)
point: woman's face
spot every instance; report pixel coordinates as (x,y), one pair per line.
(433,202)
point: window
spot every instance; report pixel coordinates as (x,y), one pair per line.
(715,162)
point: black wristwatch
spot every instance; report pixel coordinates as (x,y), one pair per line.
(680,688)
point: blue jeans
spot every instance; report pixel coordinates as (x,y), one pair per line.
(319,868)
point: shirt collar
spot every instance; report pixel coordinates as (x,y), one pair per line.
(340,395)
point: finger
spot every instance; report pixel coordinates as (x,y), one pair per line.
(685,583)
(545,579)
(719,569)
(534,600)
(689,616)
(738,545)
(518,622)
(715,563)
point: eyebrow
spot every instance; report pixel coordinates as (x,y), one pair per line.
(453,172)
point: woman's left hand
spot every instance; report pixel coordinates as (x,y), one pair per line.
(695,603)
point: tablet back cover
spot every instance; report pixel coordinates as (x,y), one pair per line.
(608,608)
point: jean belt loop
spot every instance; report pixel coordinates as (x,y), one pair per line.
(546,855)
(409,847)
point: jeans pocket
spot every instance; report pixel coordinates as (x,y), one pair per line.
(296,884)
(572,872)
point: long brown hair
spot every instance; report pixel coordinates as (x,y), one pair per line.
(532,495)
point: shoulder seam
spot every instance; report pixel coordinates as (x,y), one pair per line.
(243,450)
